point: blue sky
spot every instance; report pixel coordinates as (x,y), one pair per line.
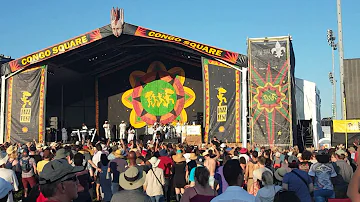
(28,26)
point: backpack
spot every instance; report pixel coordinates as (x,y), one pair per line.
(25,165)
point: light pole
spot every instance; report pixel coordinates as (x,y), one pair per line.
(341,59)
(331,40)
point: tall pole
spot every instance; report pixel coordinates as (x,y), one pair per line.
(341,61)
(331,40)
(334,108)
(2,110)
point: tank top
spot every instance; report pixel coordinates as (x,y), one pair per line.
(201,198)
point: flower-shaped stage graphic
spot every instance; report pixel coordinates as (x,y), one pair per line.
(158,95)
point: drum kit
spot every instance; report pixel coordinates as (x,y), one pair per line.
(83,134)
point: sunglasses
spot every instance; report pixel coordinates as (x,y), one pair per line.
(74,179)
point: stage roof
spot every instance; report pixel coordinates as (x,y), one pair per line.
(99,51)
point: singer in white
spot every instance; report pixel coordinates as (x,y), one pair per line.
(106,127)
(122,127)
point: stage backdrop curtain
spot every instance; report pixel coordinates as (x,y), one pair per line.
(270,86)
(222,101)
(25,105)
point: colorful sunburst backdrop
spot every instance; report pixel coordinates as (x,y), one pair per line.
(270,91)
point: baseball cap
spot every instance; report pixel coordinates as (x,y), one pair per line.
(5,188)
(56,170)
(200,160)
(32,147)
(61,153)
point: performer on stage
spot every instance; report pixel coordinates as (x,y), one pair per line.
(106,127)
(131,134)
(64,135)
(178,129)
(122,127)
(84,131)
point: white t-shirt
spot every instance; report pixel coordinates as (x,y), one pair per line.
(9,176)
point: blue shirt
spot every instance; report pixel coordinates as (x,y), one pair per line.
(297,185)
(323,172)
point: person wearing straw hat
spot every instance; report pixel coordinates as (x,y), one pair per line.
(132,182)
(155,181)
(179,175)
(12,162)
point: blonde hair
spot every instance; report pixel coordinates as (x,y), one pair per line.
(267,178)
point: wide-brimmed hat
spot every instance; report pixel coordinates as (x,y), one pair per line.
(119,153)
(206,152)
(3,158)
(193,156)
(11,149)
(292,159)
(132,179)
(340,152)
(279,173)
(62,153)
(56,170)
(54,144)
(154,161)
(178,158)
(243,151)
(351,149)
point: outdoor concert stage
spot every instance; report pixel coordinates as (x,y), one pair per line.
(138,75)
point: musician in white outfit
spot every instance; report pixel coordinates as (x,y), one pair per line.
(178,128)
(131,134)
(84,131)
(64,135)
(122,127)
(106,127)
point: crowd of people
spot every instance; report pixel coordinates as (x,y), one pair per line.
(153,171)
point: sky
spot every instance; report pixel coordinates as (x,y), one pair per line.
(29,26)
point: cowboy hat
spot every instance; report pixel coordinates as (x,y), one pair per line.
(279,173)
(119,154)
(132,179)
(154,161)
(206,152)
(193,156)
(11,149)
(178,158)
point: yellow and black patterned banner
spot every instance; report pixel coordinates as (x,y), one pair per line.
(25,105)
(222,93)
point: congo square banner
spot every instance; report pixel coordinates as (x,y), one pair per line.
(222,101)
(270,88)
(26,105)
